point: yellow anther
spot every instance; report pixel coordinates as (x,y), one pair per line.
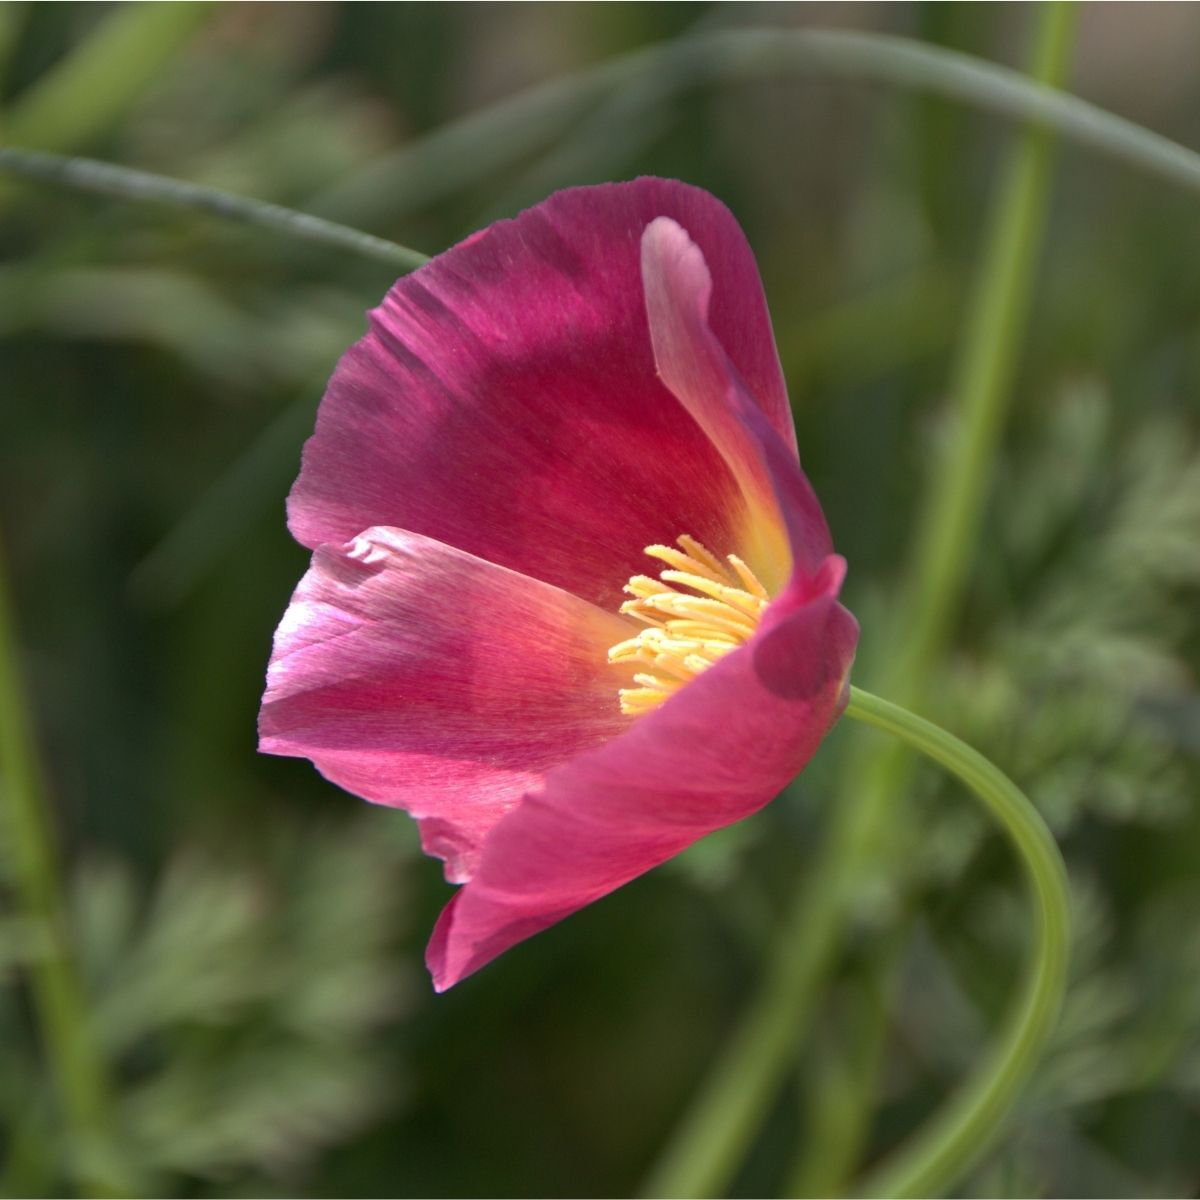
(737,598)
(685,562)
(748,578)
(700,553)
(696,612)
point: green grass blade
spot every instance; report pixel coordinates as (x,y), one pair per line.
(75,1065)
(125,183)
(86,93)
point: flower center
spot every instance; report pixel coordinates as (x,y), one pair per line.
(697,611)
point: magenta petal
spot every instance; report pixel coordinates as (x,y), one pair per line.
(719,750)
(694,364)
(418,676)
(512,381)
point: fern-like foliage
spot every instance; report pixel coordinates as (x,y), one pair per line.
(1084,649)
(241,1008)
(1077,676)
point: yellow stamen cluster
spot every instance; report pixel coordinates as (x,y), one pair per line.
(688,630)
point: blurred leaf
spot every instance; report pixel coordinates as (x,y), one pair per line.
(104,75)
(1101,570)
(22,940)
(195,545)
(243,1005)
(12,18)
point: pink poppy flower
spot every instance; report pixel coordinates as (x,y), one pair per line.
(572,602)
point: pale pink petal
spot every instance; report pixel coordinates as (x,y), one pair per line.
(693,363)
(416,675)
(716,752)
(506,400)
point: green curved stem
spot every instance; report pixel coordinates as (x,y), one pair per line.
(946,528)
(465,150)
(470,148)
(958,1134)
(732,1100)
(972,1117)
(90,175)
(961,1131)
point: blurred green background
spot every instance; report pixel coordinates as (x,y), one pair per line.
(251,938)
